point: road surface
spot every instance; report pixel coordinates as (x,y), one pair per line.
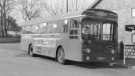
(14,62)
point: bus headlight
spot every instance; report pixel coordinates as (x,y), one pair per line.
(112,51)
(87,58)
(113,58)
(88,50)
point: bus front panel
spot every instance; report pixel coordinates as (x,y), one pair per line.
(99,42)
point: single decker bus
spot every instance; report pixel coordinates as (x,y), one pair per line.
(89,37)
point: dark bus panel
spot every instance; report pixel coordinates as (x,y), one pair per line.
(99,36)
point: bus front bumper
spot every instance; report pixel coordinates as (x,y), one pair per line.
(87,58)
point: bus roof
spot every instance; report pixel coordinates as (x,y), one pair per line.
(96,10)
(100,14)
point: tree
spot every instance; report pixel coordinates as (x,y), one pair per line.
(12,25)
(5,7)
(29,9)
(49,9)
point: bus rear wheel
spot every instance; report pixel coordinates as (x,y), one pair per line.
(60,56)
(30,51)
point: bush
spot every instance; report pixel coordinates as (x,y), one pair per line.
(10,40)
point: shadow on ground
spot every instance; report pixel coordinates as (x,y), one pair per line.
(94,65)
(97,65)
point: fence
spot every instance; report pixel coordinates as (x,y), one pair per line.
(129,52)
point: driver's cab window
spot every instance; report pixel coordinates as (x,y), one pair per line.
(74,29)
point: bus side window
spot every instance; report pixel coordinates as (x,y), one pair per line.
(65,28)
(74,24)
(74,29)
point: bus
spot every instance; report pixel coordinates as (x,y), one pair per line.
(89,37)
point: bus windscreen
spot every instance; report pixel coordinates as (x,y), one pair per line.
(100,31)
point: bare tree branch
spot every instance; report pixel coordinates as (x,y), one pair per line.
(50,10)
(29,10)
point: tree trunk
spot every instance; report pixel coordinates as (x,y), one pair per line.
(5,25)
(2,33)
(4,20)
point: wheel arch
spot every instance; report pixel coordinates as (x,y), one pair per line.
(28,47)
(30,44)
(60,46)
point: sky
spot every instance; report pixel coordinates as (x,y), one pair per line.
(60,5)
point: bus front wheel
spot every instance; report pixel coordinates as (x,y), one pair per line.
(30,50)
(60,56)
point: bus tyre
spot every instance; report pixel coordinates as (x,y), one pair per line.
(30,51)
(60,56)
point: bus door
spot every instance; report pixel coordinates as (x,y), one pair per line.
(74,39)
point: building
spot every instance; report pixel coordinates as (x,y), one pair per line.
(126,15)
